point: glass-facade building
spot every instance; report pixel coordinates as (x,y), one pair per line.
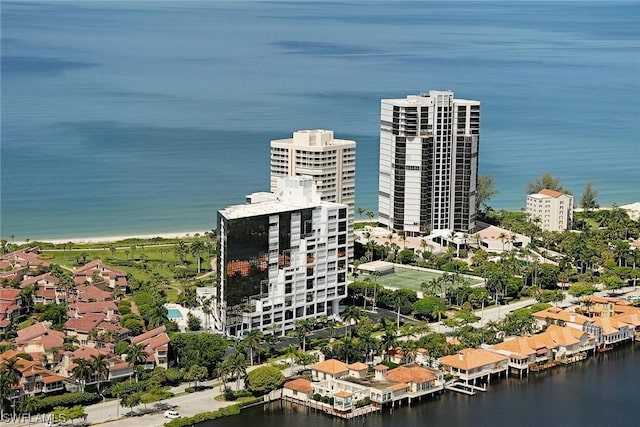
(280,261)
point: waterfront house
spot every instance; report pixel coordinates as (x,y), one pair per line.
(568,344)
(560,317)
(298,389)
(612,332)
(597,306)
(473,364)
(418,380)
(520,353)
(329,369)
(632,319)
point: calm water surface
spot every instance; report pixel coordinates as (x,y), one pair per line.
(140,117)
(602,391)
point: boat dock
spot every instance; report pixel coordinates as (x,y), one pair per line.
(464,388)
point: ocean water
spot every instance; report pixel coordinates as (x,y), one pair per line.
(143,117)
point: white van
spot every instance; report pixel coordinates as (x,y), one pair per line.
(171,414)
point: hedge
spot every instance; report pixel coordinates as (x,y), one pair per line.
(212,415)
(48,403)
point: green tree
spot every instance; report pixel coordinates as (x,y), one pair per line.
(9,377)
(193,322)
(100,367)
(589,200)
(264,379)
(197,248)
(131,400)
(351,314)
(548,181)
(431,306)
(486,189)
(303,328)
(582,289)
(252,340)
(136,355)
(82,372)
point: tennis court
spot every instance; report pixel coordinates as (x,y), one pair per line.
(409,278)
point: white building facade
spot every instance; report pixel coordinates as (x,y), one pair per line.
(428,163)
(552,210)
(283,257)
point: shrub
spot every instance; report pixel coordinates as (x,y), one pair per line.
(189,390)
(47,403)
(316,397)
(264,379)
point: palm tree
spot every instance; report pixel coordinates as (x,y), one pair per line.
(196,249)
(207,310)
(237,362)
(400,299)
(100,366)
(82,372)
(252,340)
(351,313)
(360,211)
(303,328)
(136,355)
(291,353)
(9,377)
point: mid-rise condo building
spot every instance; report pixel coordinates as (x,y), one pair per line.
(283,257)
(550,209)
(428,163)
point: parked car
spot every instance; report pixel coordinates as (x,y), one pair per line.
(171,414)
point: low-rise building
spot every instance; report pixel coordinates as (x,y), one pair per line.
(474,364)
(98,272)
(156,345)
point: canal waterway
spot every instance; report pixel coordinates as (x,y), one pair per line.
(604,390)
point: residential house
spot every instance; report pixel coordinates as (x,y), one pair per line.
(41,342)
(568,344)
(118,368)
(156,345)
(46,289)
(10,303)
(92,293)
(98,272)
(298,389)
(471,364)
(34,378)
(612,331)
(82,329)
(108,308)
(495,239)
(329,369)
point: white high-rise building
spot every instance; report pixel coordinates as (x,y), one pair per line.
(283,257)
(552,210)
(331,162)
(428,163)
(316,153)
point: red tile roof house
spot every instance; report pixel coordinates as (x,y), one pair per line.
(40,341)
(10,303)
(118,368)
(92,293)
(109,308)
(34,378)
(156,345)
(82,327)
(46,289)
(22,258)
(113,277)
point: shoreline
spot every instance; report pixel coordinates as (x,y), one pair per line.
(116,238)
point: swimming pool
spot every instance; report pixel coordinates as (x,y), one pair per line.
(174,313)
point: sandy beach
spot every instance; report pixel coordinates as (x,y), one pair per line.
(109,239)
